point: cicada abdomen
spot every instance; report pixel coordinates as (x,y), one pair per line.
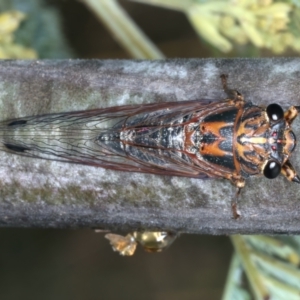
(231,139)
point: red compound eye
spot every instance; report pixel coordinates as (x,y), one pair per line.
(273,148)
(274,134)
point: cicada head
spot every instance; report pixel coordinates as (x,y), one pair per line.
(281,141)
(265,141)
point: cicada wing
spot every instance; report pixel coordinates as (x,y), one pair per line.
(93,137)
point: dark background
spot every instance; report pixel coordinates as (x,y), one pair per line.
(80,264)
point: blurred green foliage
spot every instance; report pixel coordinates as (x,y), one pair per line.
(40,29)
(9,23)
(269,24)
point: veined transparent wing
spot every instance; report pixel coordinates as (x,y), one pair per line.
(120,138)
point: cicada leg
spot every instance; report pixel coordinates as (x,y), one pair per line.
(232,94)
(235,212)
(239,183)
(289,172)
(291,114)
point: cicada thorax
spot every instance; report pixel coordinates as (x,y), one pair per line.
(217,134)
(243,140)
(252,145)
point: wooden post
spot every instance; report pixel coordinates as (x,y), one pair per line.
(40,193)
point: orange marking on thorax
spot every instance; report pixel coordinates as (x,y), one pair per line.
(214,147)
(214,128)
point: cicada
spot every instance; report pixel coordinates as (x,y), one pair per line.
(232,139)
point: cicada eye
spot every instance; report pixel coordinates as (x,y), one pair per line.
(275,112)
(272,169)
